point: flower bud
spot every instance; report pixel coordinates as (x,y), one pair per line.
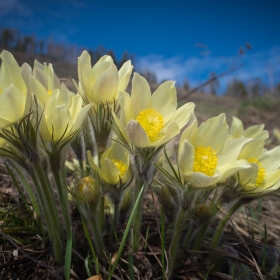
(88,189)
(202,213)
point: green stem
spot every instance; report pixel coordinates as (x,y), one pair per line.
(189,235)
(57,159)
(224,221)
(31,193)
(180,221)
(63,198)
(95,230)
(47,202)
(136,223)
(101,207)
(116,212)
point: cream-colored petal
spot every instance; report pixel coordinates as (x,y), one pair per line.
(232,168)
(271,181)
(126,176)
(34,86)
(168,132)
(39,65)
(110,173)
(183,115)
(200,180)
(125,103)
(67,95)
(56,99)
(76,107)
(213,132)
(253,130)
(137,135)
(4,123)
(54,81)
(271,159)
(59,122)
(121,124)
(80,119)
(254,148)
(140,94)
(231,150)
(84,71)
(118,152)
(11,72)
(164,100)
(92,164)
(105,88)
(43,128)
(42,77)
(26,72)
(102,65)
(190,133)
(248,177)
(236,129)
(186,157)
(12,104)
(124,75)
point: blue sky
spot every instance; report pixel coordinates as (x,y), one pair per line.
(175,39)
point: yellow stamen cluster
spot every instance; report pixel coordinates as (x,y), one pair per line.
(261,171)
(49,92)
(152,122)
(205,160)
(120,165)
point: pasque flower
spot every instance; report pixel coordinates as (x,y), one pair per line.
(102,82)
(264,174)
(62,117)
(150,120)
(114,165)
(208,155)
(14,98)
(62,111)
(43,81)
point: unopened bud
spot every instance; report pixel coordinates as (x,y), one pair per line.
(88,189)
(203,213)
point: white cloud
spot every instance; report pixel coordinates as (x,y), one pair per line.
(265,65)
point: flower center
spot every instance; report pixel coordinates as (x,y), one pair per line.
(152,122)
(49,92)
(205,160)
(120,165)
(261,171)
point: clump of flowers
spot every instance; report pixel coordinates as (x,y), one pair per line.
(118,142)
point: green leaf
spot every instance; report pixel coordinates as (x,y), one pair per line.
(126,232)
(68,255)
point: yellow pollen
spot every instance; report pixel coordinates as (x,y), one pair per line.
(205,160)
(152,123)
(261,171)
(120,165)
(49,92)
